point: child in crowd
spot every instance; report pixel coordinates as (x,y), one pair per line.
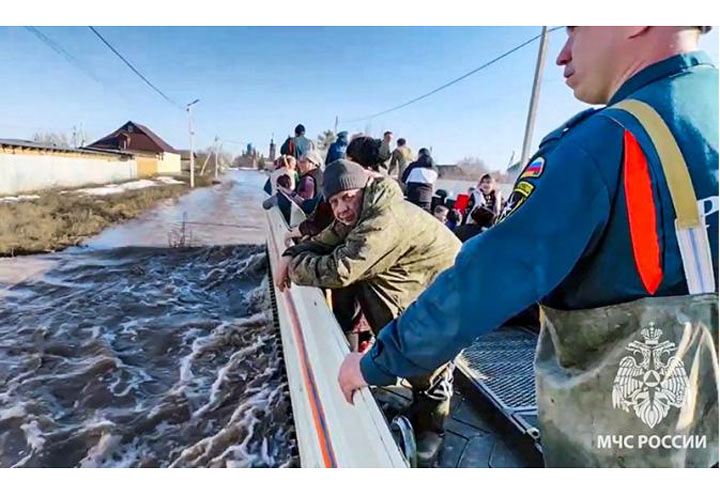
(454,218)
(441,213)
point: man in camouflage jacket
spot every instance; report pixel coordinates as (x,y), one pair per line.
(387,251)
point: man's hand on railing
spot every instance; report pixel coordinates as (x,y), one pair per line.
(350,376)
(282,278)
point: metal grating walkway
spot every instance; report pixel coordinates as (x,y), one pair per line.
(501,364)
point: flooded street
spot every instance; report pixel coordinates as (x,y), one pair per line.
(130,353)
(225,214)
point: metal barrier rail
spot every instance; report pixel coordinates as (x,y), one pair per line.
(330,432)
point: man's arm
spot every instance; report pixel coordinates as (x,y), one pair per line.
(394,161)
(367,249)
(546,230)
(323,242)
(384,153)
(318,221)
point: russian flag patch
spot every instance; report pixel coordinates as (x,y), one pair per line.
(535,169)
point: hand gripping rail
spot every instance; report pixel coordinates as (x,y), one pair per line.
(330,432)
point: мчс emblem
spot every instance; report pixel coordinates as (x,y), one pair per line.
(653,385)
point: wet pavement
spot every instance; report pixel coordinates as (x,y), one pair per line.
(128,352)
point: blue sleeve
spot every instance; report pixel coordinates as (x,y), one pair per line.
(540,238)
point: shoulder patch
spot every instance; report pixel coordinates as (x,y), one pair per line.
(518,197)
(535,169)
(525,188)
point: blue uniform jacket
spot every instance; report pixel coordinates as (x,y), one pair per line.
(337,149)
(564,238)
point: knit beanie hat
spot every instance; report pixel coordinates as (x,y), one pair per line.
(313,156)
(343,175)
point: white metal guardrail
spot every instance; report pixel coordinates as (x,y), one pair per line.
(330,432)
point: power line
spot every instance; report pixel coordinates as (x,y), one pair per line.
(130,65)
(452,82)
(64,53)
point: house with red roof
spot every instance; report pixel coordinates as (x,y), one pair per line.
(153,154)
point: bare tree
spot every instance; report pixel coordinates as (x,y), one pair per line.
(473,166)
(325,139)
(51,138)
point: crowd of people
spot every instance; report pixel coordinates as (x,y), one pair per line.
(377,234)
(300,179)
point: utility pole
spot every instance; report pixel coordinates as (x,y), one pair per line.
(211,152)
(191,133)
(532,110)
(218,149)
(336,124)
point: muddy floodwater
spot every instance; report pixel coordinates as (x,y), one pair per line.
(129,352)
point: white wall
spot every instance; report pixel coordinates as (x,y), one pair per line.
(24,172)
(169,163)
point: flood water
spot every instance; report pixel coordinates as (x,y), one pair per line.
(132,353)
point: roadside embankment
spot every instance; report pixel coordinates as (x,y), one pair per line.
(52,220)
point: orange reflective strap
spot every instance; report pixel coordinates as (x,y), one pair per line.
(642,214)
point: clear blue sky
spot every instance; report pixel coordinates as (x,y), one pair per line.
(256,81)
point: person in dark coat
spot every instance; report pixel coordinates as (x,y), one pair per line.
(298,145)
(420,177)
(311,178)
(481,217)
(486,197)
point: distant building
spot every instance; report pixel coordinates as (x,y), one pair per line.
(152,153)
(272,149)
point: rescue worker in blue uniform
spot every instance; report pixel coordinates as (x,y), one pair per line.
(613,229)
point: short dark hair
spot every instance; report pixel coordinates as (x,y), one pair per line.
(388,132)
(300,129)
(487,176)
(284,181)
(454,215)
(364,150)
(401,141)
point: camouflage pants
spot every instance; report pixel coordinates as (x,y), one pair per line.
(431,392)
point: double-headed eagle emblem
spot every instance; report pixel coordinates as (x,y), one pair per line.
(654,384)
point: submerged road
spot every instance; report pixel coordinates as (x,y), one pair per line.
(225,214)
(130,353)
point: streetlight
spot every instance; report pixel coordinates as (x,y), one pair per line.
(192,154)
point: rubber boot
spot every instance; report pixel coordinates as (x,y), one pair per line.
(428,447)
(428,419)
(430,410)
